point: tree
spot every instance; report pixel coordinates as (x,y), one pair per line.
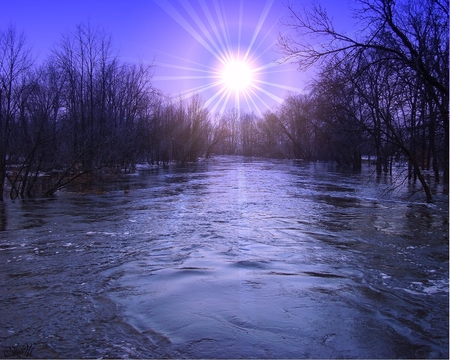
(230,122)
(249,134)
(295,120)
(217,134)
(84,57)
(337,114)
(401,35)
(15,63)
(35,141)
(196,130)
(272,138)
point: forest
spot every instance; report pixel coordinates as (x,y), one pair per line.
(84,114)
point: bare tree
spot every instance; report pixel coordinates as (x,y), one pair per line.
(15,63)
(402,30)
(401,41)
(272,138)
(249,134)
(35,140)
(337,114)
(230,122)
(197,128)
(85,58)
(217,134)
(295,119)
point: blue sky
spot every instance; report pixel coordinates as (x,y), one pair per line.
(188,41)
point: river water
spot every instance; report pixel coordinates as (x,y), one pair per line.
(228,258)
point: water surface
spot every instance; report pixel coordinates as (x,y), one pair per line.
(228,258)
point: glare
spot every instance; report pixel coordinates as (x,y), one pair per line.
(237,75)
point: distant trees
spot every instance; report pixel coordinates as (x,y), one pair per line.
(271,138)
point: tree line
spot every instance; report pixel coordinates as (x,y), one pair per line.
(84,114)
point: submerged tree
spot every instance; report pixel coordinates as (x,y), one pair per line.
(104,103)
(36,141)
(15,65)
(405,45)
(85,60)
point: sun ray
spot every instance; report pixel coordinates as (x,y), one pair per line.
(199,89)
(247,97)
(271,46)
(190,10)
(214,107)
(280,86)
(259,98)
(214,28)
(268,48)
(172,66)
(275,71)
(223,26)
(188,60)
(241,14)
(212,98)
(169,9)
(222,110)
(226,93)
(182,77)
(254,104)
(258,27)
(274,97)
(269,65)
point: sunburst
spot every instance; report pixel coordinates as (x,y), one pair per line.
(239,76)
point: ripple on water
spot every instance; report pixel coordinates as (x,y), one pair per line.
(228,259)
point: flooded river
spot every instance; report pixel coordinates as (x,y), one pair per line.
(228,258)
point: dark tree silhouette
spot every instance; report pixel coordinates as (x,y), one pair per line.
(404,48)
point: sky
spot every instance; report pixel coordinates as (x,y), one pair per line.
(222,50)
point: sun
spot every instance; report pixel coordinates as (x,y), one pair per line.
(234,70)
(237,75)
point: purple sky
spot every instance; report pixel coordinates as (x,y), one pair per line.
(184,38)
